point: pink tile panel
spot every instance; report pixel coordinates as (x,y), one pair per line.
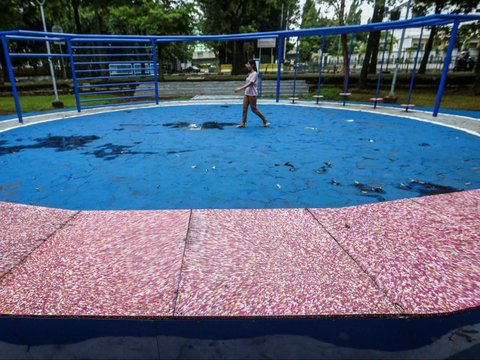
(103,264)
(270,263)
(425,262)
(463,207)
(23,228)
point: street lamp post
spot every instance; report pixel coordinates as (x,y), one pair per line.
(57,103)
(391,94)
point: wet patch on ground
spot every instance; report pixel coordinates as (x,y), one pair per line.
(112,151)
(60,143)
(178,125)
(370,191)
(424,188)
(288,164)
(206,125)
(323,169)
(216,125)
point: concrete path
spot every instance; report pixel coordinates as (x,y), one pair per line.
(198,87)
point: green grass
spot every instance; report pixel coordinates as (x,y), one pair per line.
(33,103)
(452,99)
(39,103)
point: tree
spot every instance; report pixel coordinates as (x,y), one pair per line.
(438,6)
(76,17)
(311,18)
(9,19)
(240,16)
(16,14)
(371,52)
(155,18)
(342,17)
(466,33)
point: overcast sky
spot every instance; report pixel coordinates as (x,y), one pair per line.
(367,10)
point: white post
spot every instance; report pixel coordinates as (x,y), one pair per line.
(52,72)
(391,94)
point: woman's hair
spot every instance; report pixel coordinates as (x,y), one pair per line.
(253,64)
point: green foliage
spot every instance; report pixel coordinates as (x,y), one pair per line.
(142,17)
(240,16)
(311,18)
(422,7)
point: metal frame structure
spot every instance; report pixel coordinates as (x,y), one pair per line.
(149,44)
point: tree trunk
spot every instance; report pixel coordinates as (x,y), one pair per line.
(160,62)
(362,80)
(344,40)
(3,67)
(429,45)
(372,68)
(346,68)
(238,61)
(428,49)
(76,16)
(373,43)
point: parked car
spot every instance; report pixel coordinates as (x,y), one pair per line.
(191,69)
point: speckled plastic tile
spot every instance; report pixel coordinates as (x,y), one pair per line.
(270,263)
(104,264)
(425,262)
(23,228)
(416,256)
(463,207)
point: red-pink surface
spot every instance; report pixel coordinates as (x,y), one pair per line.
(417,256)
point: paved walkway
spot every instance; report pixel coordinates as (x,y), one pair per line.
(463,123)
(214,88)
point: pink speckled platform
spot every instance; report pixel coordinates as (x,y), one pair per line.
(417,256)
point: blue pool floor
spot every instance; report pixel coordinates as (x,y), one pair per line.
(182,157)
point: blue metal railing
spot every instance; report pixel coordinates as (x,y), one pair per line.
(147,53)
(87,67)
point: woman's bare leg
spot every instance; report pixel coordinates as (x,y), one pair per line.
(244,112)
(253,105)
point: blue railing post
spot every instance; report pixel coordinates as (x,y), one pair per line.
(74,75)
(446,65)
(379,81)
(295,66)
(412,80)
(279,68)
(13,83)
(345,88)
(320,66)
(155,70)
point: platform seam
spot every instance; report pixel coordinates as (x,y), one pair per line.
(41,243)
(396,305)
(177,291)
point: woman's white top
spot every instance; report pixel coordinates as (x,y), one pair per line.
(252,90)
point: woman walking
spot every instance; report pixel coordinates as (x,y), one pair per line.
(251,93)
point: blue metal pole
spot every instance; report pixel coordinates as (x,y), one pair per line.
(409,96)
(279,67)
(295,66)
(320,66)
(345,89)
(377,92)
(74,75)
(443,79)
(11,75)
(155,72)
